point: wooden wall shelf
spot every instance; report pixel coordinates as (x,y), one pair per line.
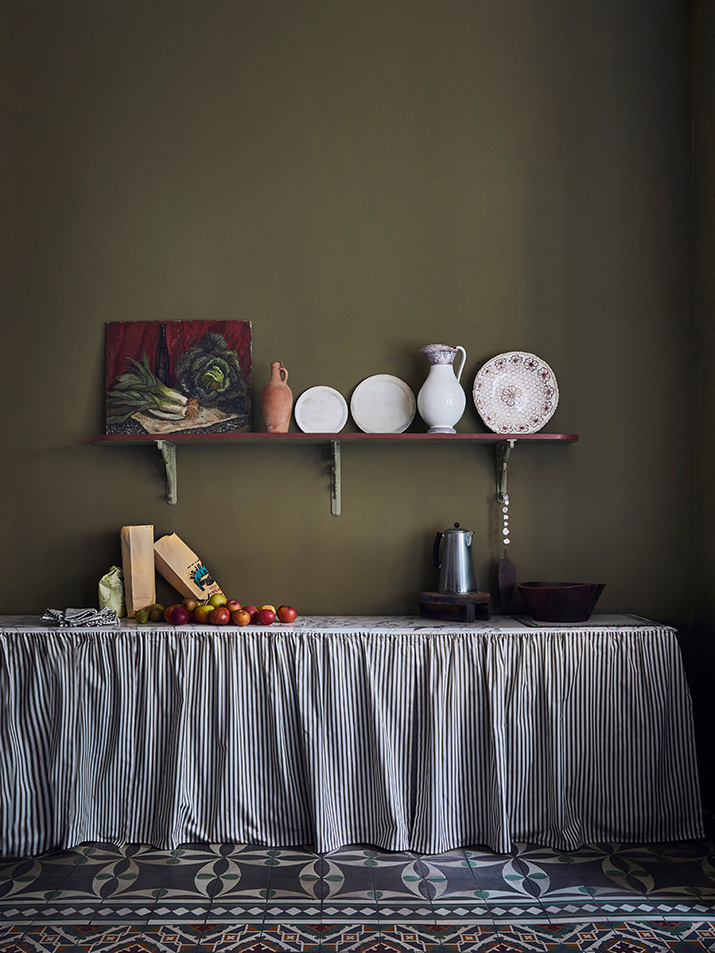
(167,446)
(323,438)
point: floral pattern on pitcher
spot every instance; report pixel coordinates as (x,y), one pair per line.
(439,353)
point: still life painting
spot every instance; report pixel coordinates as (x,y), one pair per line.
(178,377)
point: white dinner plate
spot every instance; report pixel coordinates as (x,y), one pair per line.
(515,392)
(383,404)
(321,410)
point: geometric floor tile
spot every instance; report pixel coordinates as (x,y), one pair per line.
(216,898)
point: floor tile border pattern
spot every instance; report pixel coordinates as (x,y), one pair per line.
(617,937)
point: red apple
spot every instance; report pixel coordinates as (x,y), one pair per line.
(169,611)
(286,614)
(266,617)
(220,616)
(179,616)
(240,617)
(233,606)
(252,611)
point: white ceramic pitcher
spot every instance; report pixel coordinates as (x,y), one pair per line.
(441,400)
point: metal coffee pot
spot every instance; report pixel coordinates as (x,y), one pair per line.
(457,569)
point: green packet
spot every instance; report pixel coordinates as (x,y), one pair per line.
(111,592)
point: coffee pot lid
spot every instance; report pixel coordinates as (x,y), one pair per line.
(457,529)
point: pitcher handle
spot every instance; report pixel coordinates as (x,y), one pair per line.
(281,372)
(464,360)
(435,551)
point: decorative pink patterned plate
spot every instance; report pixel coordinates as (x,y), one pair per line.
(515,392)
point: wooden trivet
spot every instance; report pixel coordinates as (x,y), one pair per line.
(455,606)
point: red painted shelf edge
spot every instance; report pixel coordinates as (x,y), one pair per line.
(320,437)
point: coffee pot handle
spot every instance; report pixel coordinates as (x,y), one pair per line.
(464,360)
(435,551)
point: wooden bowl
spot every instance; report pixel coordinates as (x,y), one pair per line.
(561,601)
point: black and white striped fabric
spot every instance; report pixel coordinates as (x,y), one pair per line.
(80,618)
(399,733)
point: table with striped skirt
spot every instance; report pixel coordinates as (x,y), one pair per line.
(400,732)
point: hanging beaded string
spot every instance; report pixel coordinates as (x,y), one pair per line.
(503,494)
(505,521)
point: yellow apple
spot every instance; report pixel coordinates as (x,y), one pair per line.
(202,613)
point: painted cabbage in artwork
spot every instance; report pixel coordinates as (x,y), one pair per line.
(211,372)
(178,376)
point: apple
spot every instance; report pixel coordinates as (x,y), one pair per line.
(266,617)
(267,606)
(169,611)
(287,614)
(232,605)
(189,604)
(240,617)
(217,600)
(252,611)
(220,615)
(179,616)
(202,613)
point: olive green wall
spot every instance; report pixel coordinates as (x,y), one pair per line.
(358,179)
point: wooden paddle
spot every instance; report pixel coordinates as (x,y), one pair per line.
(506,580)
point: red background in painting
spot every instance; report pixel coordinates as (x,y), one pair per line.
(136,338)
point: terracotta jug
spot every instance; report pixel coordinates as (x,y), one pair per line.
(277,400)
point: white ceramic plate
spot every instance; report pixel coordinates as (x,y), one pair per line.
(383,404)
(321,410)
(515,392)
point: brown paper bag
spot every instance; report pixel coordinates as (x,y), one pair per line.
(138,567)
(183,569)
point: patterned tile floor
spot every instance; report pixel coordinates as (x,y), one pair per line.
(225,897)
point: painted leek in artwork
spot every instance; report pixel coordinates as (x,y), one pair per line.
(139,389)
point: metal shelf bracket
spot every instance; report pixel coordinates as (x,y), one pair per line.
(335,478)
(168,452)
(503,452)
